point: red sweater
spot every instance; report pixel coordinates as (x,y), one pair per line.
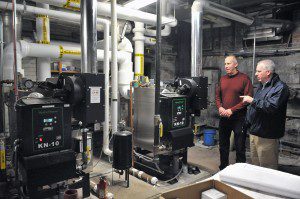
(230,89)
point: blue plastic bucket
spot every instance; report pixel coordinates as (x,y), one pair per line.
(209,137)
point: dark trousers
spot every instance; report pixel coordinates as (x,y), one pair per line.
(227,125)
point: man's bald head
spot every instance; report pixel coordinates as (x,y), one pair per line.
(231,65)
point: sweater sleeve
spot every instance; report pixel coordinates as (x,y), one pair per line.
(248,90)
(218,95)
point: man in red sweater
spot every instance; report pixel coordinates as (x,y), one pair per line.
(232,110)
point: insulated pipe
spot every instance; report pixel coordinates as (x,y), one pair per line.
(88,36)
(196,37)
(150,41)
(105,147)
(25,49)
(43,69)
(1,50)
(197,28)
(226,12)
(65,16)
(114,69)
(104,9)
(15,65)
(166,31)
(218,22)
(139,40)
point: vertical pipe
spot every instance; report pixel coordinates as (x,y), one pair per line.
(2,111)
(43,69)
(88,36)
(105,148)
(139,40)
(197,38)
(114,68)
(1,49)
(157,70)
(253,59)
(14,27)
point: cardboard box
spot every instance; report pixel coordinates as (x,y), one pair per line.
(194,191)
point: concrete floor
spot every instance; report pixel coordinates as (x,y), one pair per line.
(206,159)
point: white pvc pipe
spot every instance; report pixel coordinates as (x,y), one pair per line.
(43,70)
(166,31)
(104,9)
(150,41)
(166,11)
(26,49)
(114,69)
(139,40)
(105,147)
(65,16)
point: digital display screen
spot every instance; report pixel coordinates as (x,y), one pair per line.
(48,120)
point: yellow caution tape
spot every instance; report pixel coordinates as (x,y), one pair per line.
(41,16)
(161,129)
(141,64)
(2,156)
(61,52)
(68,5)
(45,39)
(45,36)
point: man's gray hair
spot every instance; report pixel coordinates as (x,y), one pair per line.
(267,64)
(233,57)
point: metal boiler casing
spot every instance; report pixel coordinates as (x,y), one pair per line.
(144,101)
(174,115)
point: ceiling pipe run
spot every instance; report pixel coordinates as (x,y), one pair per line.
(64,16)
(129,14)
(197,28)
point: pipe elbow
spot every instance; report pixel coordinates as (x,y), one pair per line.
(107,151)
(199,5)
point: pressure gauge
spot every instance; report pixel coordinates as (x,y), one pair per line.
(28,84)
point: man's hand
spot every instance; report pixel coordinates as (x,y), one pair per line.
(247,99)
(222,111)
(228,112)
(225,112)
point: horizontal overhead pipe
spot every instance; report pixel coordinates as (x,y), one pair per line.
(65,16)
(25,49)
(104,9)
(228,13)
